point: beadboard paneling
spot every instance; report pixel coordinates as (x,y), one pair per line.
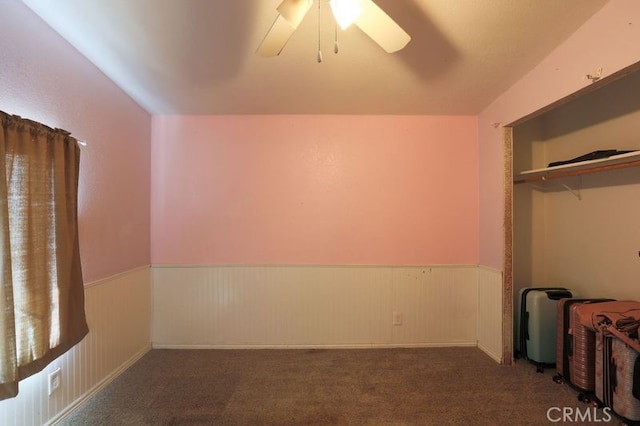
(313,306)
(490,312)
(118,312)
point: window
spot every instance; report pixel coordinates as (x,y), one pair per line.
(41,293)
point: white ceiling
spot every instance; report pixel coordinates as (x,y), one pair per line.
(197,56)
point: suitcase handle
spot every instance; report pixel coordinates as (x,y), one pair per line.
(558,294)
(614,374)
(569,345)
(635,391)
(525,333)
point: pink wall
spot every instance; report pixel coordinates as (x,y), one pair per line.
(314,190)
(609,41)
(45,79)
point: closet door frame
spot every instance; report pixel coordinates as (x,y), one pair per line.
(507,274)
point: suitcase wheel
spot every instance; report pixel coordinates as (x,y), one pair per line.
(558,379)
(587,399)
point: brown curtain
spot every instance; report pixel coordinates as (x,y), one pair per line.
(42,294)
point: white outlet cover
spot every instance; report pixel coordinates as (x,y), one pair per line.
(54,381)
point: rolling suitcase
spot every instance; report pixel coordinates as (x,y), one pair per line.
(618,374)
(575,347)
(617,366)
(536,323)
(521,319)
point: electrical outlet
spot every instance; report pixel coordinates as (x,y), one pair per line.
(397,318)
(54,381)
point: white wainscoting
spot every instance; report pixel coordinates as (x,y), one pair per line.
(313,306)
(490,312)
(118,312)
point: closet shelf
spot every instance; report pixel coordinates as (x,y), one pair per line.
(622,161)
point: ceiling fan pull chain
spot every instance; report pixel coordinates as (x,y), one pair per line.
(319,51)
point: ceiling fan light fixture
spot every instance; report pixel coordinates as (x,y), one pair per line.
(293,11)
(365,14)
(346,11)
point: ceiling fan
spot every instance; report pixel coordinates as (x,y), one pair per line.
(365,14)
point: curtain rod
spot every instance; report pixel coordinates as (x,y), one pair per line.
(6,115)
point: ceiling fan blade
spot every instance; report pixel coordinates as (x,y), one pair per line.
(291,13)
(294,11)
(375,23)
(276,38)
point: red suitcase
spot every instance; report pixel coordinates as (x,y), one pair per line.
(618,375)
(617,348)
(575,346)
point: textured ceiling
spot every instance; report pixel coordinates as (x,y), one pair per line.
(197,56)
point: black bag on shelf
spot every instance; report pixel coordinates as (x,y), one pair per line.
(595,155)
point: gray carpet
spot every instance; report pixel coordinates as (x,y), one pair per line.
(435,386)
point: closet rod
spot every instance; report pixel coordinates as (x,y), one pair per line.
(558,175)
